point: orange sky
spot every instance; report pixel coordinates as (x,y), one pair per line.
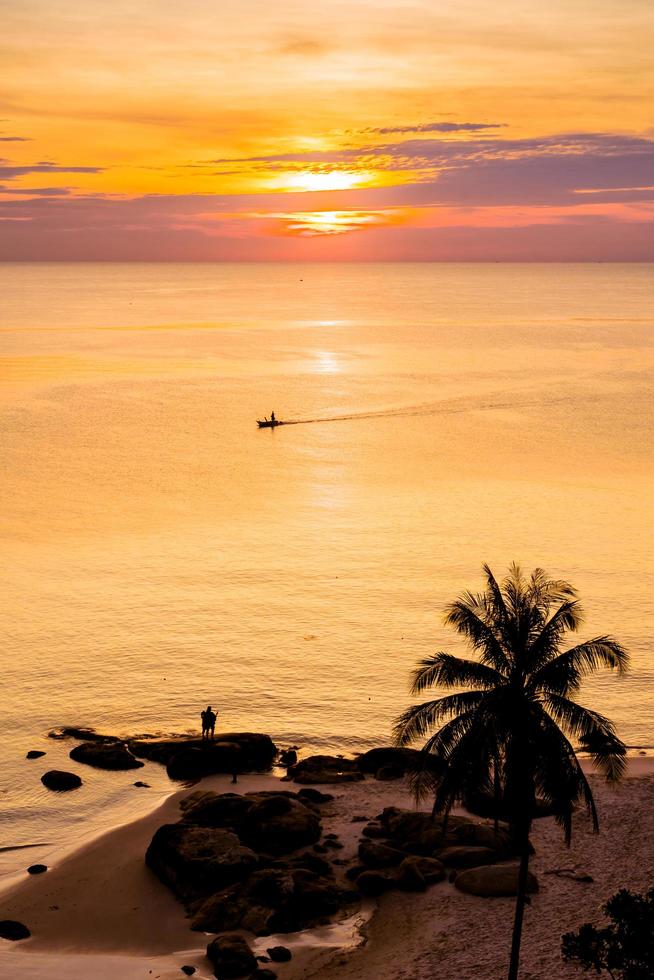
(339,129)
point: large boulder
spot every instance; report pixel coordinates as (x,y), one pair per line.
(278,825)
(60,781)
(198,861)
(401,760)
(374,854)
(325,769)
(373,883)
(231,957)
(271,900)
(272,822)
(191,758)
(419,832)
(105,755)
(493,881)
(466,857)
(484,835)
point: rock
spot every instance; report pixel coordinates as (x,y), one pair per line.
(60,781)
(358,818)
(105,755)
(325,769)
(287,757)
(37,869)
(231,957)
(188,970)
(466,857)
(484,835)
(278,825)
(353,873)
(217,809)
(376,855)
(34,754)
(197,861)
(141,785)
(418,832)
(314,795)
(13,931)
(247,751)
(400,760)
(374,830)
(374,883)
(271,900)
(264,974)
(82,734)
(279,954)
(416,869)
(272,822)
(493,881)
(311,862)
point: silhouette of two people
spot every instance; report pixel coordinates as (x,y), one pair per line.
(208,722)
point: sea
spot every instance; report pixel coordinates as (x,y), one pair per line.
(162,553)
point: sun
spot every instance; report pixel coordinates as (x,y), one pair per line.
(334,180)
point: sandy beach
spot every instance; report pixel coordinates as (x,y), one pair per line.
(101,912)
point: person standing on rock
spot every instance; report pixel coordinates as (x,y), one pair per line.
(208,722)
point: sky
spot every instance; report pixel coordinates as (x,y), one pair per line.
(327,130)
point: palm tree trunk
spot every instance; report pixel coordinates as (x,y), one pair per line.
(519,906)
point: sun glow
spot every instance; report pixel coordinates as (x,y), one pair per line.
(334,180)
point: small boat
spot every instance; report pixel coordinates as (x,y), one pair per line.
(269,423)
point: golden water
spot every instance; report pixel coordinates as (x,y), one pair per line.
(162,553)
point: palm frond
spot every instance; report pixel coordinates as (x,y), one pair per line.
(418,720)
(447,671)
(464,615)
(563,673)
(545,645)
(561,781)
(593,730)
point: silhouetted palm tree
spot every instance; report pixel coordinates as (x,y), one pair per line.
(508,735)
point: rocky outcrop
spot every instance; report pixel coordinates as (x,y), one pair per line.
(240,862)
(197,861)
(325,769)
(231,957)
(105,755)
(13,931)
(192,758)
(60,781)
(271,823)
(271,900)
(493,881)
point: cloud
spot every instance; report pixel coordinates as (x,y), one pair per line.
(15,139)
(9,172)
(434,127)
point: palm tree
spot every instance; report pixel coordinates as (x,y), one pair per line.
(507,733)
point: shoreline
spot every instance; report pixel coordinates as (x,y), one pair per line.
(98,901)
